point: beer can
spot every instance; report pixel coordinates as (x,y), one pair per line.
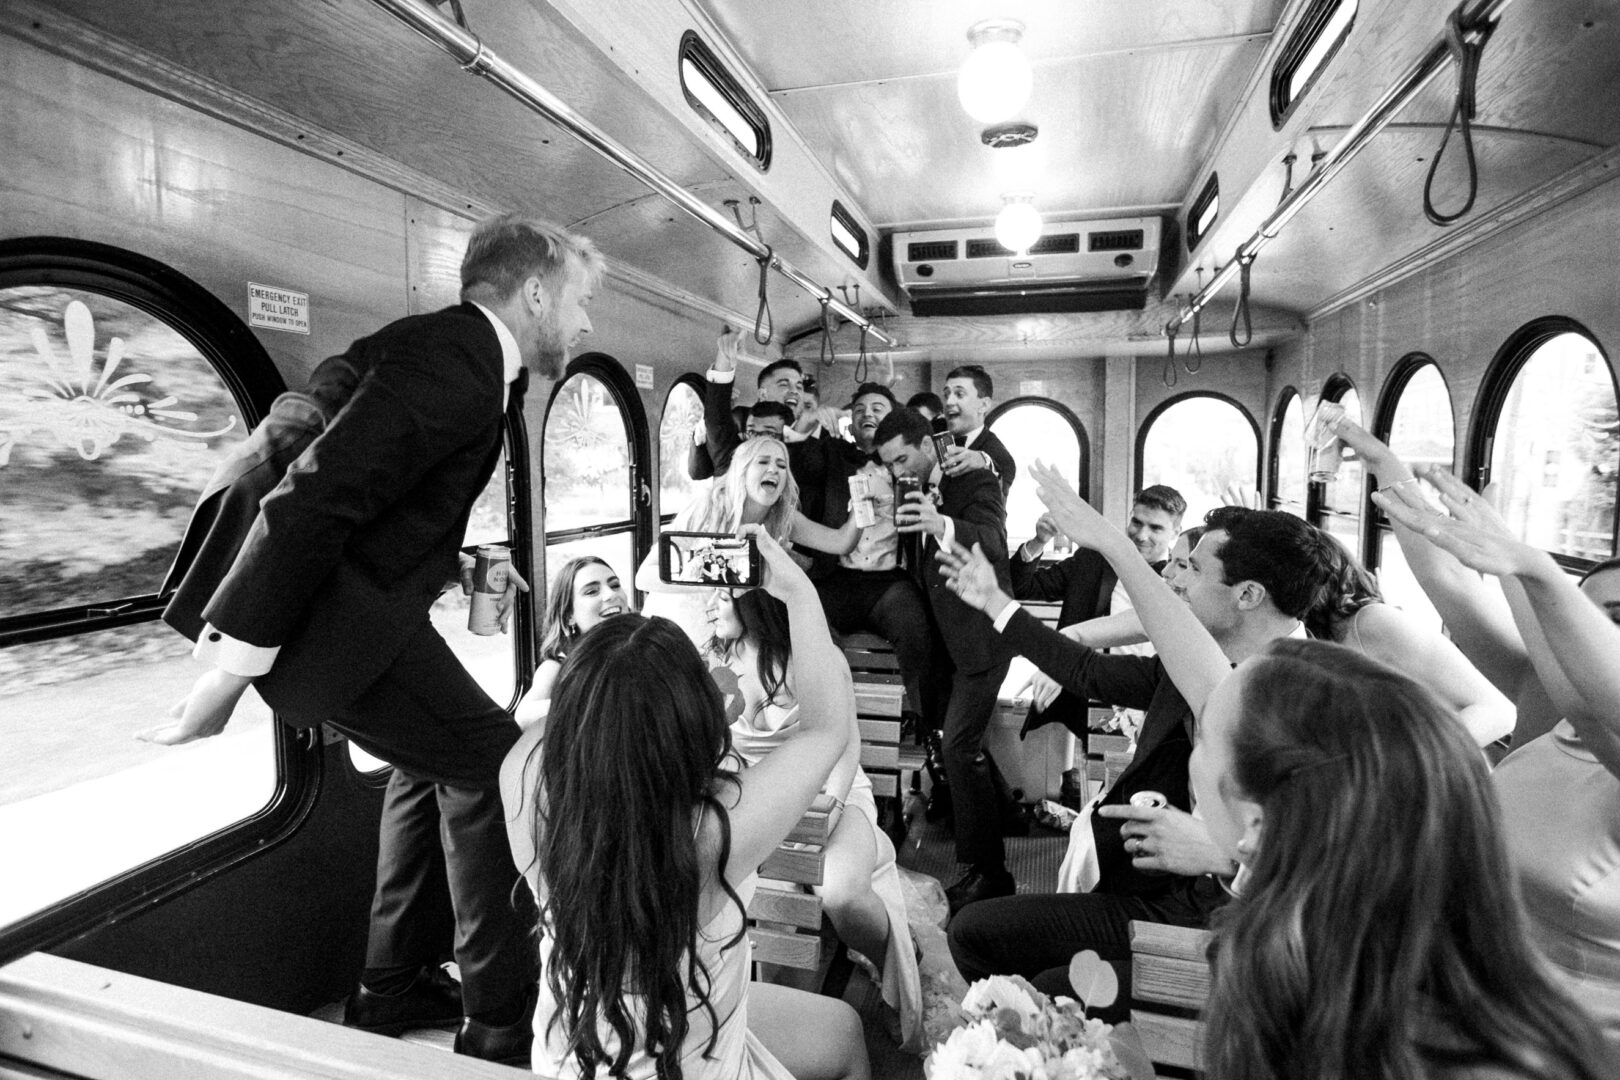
(492,567)
(1149,800)
(861,505)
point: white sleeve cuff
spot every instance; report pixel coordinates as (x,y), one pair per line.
(948,541)
(219,649)
(1004,616)
(722,376)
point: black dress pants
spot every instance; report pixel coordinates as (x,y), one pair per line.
(975,806)
(442,818)
(889,603)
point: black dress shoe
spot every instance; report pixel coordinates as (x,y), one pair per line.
(980,885)
(434,998)
(509,1044)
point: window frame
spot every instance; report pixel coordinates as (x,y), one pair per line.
(1164,406)
(842,216)
(1338,384)
(1274,448)
(698,384)
(247,371)
(1084,469)
(693,48)
(1313,23)
(1376,522)
(1494,388)
(611,374)
(1210,192)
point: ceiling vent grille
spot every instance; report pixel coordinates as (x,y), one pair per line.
(931,251)
(1121,240)
(1053,244)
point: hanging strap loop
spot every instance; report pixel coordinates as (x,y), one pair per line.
(828,356)
(1169,373)
(1467,54)
(1197,347)
(1241,311)
(763,327)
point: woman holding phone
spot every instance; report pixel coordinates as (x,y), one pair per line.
(640,839)
(758,489)
(751,660)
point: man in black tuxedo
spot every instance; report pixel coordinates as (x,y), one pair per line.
(324,610)
(970,511)
(1086,586)
(969,394)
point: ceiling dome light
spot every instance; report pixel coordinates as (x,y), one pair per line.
(995,79)
(1018,225)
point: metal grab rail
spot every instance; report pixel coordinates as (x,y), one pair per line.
(1413,80)
(477,59)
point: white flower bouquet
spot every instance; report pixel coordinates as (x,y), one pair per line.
(1011,1031)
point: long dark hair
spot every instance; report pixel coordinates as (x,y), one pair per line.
(559,632)
(1380,932)
(1350,587)
(627,767)
(764,621)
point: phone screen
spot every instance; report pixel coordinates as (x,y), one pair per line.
(709,560)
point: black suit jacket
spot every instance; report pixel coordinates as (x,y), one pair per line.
(818,464)
(974,502)
(348,552)
(1083,583)
(997,451)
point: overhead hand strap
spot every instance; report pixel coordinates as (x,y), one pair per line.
(1467,54)
(1197,346)
(1241,311)
(1169,373)
(828,356)
(762,317)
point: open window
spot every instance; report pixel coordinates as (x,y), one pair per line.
(1547,434)
(122,385)
(679,430)
(1335,505)
(1034,428)
(1204,212)
(1288,491)
(1200,444)
(1415,419)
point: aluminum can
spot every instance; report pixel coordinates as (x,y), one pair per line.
(861,505)
(1149,800)
(492,570)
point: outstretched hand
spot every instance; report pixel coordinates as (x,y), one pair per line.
(203,712)
(1236,494)
(1043,689)
(1072,515)
(1474,532)
(727,350)
(970,576)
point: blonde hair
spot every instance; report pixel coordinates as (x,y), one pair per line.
(721,510)
(505,251)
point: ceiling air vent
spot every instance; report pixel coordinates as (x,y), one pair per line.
(931,251)
(1122,240)
(1053,244)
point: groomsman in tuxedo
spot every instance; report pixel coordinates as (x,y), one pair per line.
(318,595)
(967,509)
(969,394)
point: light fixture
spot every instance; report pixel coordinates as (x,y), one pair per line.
(1018,225)
(995,79)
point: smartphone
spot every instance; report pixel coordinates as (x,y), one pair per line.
(709,560)
(904,486)
(943,441)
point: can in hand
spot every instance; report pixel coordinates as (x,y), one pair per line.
(861,505)
(492,571)
(1149,800)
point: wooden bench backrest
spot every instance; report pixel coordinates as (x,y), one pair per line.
(1169,987)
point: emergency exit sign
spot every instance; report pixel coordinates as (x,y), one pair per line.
(278,309)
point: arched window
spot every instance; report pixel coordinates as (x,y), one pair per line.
(1547,434)
(683,416)
(122,386)
(1335,504)
(1288,490)
(1415,419)
(1037,428)
(1199,444)
(592,464)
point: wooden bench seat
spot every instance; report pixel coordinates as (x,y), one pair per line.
(1169,988)
(785,917)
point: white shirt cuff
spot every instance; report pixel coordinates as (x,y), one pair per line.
(1004,616)
(721,376)
(948,541)
(1030,556)
(218,649)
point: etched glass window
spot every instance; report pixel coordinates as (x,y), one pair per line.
(111,423)
(681,423)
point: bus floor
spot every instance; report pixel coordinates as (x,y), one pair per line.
(927,864)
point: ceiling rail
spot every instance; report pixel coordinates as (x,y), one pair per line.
(1433,61)
(477,59)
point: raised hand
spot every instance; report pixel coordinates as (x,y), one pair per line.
(1236,494)
(1474,532)
(727,350)
(970,576)
(782,578)
(1043,689)
(1073,516)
